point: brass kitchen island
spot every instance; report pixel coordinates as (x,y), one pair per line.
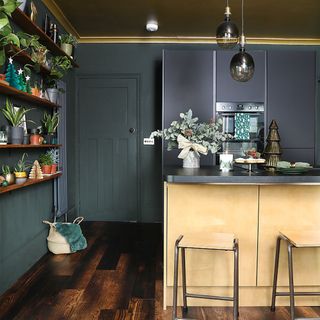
(253,206)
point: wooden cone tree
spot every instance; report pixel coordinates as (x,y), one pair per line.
(36,172)
(272,151)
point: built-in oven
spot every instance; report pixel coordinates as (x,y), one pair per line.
(245,122)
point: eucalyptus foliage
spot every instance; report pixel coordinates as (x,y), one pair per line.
(209,135)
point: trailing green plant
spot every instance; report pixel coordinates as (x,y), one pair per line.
(50,122)
(45,159)
(6,169)
(22,164)
(6,33)
(15,115)
(54,154)
(59,67)
(68,38)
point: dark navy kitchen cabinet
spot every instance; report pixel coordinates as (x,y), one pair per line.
(188,83)
(229,90)
(291,101)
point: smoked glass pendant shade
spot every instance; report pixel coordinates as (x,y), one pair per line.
(227,35)
(242,66)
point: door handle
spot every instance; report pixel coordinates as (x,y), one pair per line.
(132,130)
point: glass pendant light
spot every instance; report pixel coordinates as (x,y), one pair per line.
(227,35)
(242,64)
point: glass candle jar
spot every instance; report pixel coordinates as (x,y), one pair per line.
(3,137)
(226,162)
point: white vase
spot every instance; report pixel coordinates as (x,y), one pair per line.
(67,48)
(192,160)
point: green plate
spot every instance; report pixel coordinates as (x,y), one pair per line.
(294,170)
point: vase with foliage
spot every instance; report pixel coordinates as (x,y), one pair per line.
(50,124)
(59,66)
(16,116)
(67,43)
(20,170)
(193,138)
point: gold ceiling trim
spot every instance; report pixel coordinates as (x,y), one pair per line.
(199,40)
(59,15)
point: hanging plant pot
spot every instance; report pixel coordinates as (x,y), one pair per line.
(16,134)
(53,95)
(67,48)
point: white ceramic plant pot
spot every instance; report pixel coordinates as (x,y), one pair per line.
(192,160)
(67,48)
(53,95)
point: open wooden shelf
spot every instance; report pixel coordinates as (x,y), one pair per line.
(28,183)
(28,146)
(25,23)
(23,57)
(10,91)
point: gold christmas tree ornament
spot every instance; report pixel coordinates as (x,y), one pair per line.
(36,172)
(272,151)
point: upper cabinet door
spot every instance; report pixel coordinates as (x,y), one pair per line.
(229,90)
(188,83)
(291,97)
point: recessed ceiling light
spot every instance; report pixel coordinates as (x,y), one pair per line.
(152,26)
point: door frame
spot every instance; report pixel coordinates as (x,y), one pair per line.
(107,76)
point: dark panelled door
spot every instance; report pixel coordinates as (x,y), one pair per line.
(108,148)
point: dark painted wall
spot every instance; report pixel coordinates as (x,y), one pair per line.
(145,60)
(22,233)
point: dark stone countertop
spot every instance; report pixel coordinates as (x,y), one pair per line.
(213,174)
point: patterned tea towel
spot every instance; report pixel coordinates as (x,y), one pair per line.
(242,126)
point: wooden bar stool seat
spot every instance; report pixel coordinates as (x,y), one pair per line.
(293,239)
(203,241)
(308,239)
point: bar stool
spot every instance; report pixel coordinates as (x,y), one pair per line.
(214,241)
(308,239)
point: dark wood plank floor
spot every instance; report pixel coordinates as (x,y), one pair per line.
(118,277)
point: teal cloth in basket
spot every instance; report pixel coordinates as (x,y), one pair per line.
(73,234)
(242,126)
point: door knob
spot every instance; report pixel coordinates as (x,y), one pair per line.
(132,130)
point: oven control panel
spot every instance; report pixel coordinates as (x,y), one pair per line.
(239,107)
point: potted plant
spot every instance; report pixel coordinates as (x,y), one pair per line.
(7,174)
(59,66)
(50,124)
(16,116)
(193,138)
(67,43)
(45,162)
(54,154)
(20,170)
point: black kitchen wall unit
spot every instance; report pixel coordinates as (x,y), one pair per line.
(188,83)
(291,102)
(229,90)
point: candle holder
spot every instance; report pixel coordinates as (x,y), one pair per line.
(226,162)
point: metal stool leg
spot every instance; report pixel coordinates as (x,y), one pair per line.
(236,282)
(175,278)
(291,286)
(184,282)
(275,275)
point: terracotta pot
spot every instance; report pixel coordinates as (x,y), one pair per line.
(36,139)
(46,169)
(54,168)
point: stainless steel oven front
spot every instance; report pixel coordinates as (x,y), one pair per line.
(245,121)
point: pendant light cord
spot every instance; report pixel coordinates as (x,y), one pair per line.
(242,23)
